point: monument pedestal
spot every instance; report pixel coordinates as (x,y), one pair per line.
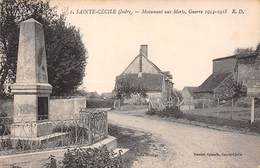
(31,129)
(32,90)
(31,104)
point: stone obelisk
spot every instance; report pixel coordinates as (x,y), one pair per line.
(31,89)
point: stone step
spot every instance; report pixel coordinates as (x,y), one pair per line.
(110,142)
(37,159)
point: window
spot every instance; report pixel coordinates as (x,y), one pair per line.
(42,108)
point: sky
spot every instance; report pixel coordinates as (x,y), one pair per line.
(183,44)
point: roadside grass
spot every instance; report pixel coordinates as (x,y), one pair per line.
(234,117)
(233,113)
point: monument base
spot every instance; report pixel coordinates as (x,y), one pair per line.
(51,140)
(31,88)
(31,129)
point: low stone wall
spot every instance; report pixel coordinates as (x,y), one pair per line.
(65,109)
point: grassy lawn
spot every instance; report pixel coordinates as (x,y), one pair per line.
(233,113)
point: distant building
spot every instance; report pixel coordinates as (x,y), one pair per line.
(204,95)
(92,95)
(242,68)
(190,98)
(107,95)
(144,74)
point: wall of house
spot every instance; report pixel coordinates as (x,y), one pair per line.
(224,65)
(154,94)
(135,99)
(189,103)
(187,107)
(248,70)
(65,109)
(147,67)
(168,89)
(204,103)
(187,97)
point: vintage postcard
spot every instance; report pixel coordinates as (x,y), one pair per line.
(129,84)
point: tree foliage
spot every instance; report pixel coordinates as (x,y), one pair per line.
(66,54)
(124,88)
(230,89)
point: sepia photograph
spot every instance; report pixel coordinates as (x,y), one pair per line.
(129,84)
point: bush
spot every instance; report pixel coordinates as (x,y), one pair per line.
(5,122)
(173,111)
(87,158)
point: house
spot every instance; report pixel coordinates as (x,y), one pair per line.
(190,97)
(247,70)
(143,75)
(206,94)
(107,95)
(241,68)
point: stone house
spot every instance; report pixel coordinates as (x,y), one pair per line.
(205,94)
(247,69)
(189,98)
(144,74)
(242,68)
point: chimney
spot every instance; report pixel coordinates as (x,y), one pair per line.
(144,50)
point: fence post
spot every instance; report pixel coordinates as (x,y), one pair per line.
(106,124)
(76,132)
(252,110)
(90,128)
(62,139)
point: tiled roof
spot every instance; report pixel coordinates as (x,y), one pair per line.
(223,58)
(151,82)
(212,82)
(193,91)
(242,56)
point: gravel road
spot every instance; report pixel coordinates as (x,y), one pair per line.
(192,146)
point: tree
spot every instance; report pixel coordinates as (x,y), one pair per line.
(66,54)
(124,88)
(66,57)
(243,51)
(230,89)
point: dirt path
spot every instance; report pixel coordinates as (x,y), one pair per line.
(192,146)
